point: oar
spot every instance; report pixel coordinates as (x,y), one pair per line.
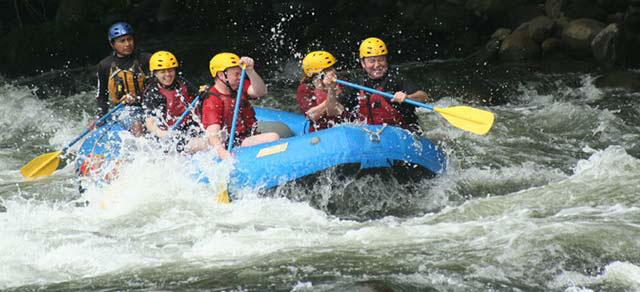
(46,164)
(236,109)
(184,114)
(223,196)
(470,119)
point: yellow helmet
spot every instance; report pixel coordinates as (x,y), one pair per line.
(222,61)
(317,61)
(372,47)
(162,60)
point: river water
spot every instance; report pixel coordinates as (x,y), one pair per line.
(549,200)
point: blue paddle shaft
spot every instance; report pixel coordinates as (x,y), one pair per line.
(385,94)
(236,110)
(184,114)
(87,130)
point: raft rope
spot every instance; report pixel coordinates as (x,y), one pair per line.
(375,136)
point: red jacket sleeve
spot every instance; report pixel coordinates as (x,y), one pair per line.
(305,98)
(212,111)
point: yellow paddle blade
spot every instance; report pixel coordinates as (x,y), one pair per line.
(43,165)
(470,119)
(223,196)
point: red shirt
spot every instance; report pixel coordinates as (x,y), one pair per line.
(308,98)
(218,109)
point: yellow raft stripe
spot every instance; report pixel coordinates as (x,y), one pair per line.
(272,150)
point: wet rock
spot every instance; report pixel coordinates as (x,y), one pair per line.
(606,46)
(612,6)
(540,28)
(3,209)
(501,34)
(558,63)
(563,11)
(631,34)
(524,27)
(574,9)
(519,46)
(553,9)
(619,79)
(521,14)
(551,45)
(578,34)
(615,17)
(71,11)
(490,50)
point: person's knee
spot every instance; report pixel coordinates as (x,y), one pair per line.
(272,136)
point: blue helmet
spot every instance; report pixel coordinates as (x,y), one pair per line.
(119,29)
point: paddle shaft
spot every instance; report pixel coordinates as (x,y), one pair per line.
(87,130)
(385,94)
(184,114)
(236,109)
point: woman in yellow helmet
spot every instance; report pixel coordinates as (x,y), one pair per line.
(319,76)
(166,99)
(376,109)
(218,106)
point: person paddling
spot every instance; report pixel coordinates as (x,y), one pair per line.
(374,108)
(121,77)
(319,74)
(218,106)
(166,98)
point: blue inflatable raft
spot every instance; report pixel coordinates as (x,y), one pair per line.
(353,150)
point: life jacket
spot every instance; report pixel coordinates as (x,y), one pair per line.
(126,81)
(324,122)
(377,110)
(178,101)
(246,115)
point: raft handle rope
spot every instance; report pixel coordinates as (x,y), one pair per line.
(375,136)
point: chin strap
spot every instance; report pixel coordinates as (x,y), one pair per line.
(226,82)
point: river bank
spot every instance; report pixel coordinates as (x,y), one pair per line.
(552,36)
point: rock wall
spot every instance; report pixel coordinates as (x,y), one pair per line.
(40,35)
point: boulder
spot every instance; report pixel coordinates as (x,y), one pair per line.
(606,46)
(619,79)
(553,9)
(519,46)
(575,9)
(551,45)
(579,33)
(563,11)
(524,27)
(521,14)
(501,34)
(485,54)
(540,28)
(612,6)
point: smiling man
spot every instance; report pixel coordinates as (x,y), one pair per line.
(121,77)
(373,108)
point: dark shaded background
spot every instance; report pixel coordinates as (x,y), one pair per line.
(57,40)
